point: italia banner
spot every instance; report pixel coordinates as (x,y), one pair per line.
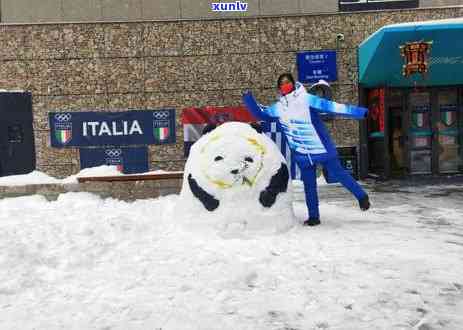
(80,129)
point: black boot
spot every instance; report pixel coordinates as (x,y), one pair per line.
(364,203)
(312,222)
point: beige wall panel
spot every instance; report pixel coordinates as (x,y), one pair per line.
(160,9)
(438,3)
(197,9)
(253,10)
(121,10)
(27,11)
(319,6)
(279,7)
(82,10)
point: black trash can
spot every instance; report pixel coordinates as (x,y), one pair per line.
(17,151)
(348,160)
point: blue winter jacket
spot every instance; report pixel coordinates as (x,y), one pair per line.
(297,114)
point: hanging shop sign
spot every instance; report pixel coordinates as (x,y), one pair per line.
(415,55)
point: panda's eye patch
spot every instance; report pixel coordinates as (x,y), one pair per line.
(249,160)
(218,158)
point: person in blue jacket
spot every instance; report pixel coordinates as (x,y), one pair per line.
(297,113)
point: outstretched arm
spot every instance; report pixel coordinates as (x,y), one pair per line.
(330,107)
(257,110)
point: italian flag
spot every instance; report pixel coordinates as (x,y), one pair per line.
(63,136)
(161,133)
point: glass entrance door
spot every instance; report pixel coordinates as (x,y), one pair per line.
(420,133)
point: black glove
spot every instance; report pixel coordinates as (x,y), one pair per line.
(267,198)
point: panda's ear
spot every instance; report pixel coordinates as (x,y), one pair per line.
(208,128)
(209,202)
(257,127)
(278,184)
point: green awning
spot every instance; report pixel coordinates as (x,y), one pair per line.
(380,62)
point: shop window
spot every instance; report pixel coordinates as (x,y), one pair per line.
(447,127)
(376,130)
(356,5)
(420,133)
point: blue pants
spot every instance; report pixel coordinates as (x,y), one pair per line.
(309,177)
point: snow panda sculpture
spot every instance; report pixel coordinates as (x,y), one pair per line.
(234,175)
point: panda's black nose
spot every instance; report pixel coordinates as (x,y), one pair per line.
(234,171)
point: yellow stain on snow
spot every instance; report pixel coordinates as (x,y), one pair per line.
(256,144)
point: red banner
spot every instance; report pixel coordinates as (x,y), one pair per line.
(376,108)
(216,115)
(195,119)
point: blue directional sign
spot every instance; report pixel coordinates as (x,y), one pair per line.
(313,66)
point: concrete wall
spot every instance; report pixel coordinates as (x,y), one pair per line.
(151,65)
(30,11)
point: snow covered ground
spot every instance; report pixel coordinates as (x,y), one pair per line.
(85,263)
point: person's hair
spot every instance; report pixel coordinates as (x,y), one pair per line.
(286,75)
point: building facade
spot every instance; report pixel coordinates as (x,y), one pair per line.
(155,64)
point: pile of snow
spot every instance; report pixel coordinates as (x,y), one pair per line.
(234,165)
(98,171)
(35,177)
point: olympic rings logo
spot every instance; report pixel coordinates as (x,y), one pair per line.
(63,117)
(113,153)
(161,114)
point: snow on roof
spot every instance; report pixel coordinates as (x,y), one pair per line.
(12,91)
(448,21)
